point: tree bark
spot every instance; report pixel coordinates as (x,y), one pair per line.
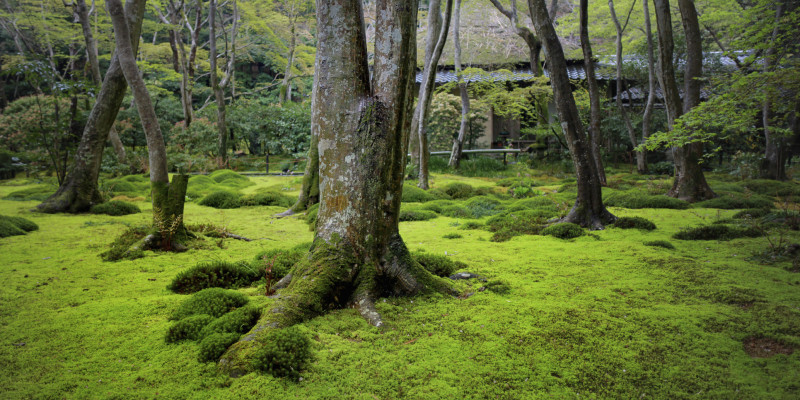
(533,42)
(774,163)
(594,92)
(287,75)
(167,199)
(219,95)
(79,191)
(357,253)
(426,95)
(690,182)
(588,210)
(458,143)
(651,81)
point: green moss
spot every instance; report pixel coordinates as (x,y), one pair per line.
(268,198)
(715,232)
(231,179)
(416,214)
(564,230)
(768,187)
(121,248)
(413,194)
(482,206)
(751,213)
(498,286)
(188,328)
(735,201)
(311,215)
(214,302)
(456,211)
(636,199)
(458,190)
(439,194)
(437,206)
(36,193)
(238,321)
(438,265)
(660,243)
(452,236)
(469,225)
(21,223)
(222,199)
(281,260)
(634,223)
(212,347)
(286,352)
(7,228)
(220,274)
(115,208)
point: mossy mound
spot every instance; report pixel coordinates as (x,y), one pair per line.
(201,184)
(222,199)
(482,206)
(115,208)
(458,190)
(282,260)
(635,223)
(437,206)
(238,321)
(188,328)
(439,194)
(544,204)
(635,199)
(36,193)
(129,185)
(751,213)
(213,301)
(311,215)
(564,230)
(210,274)
(121,247)
(286,352)
(505,226)
(413,194)
(715,232)
(230,179)
(660,243)
(9,229)
(498,286)
(212,347)
(456,211)
(452,235)
(25,225)
(268,198)
(470,225)
(437,264)
(732,201)
(416,214)
(772,188)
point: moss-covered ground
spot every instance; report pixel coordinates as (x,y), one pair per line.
(599,316)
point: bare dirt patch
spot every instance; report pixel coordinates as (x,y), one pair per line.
(764,347)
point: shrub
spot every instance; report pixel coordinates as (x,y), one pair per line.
(636,199)
(285,353)
(222,199)
(751,213)
(564,230)
(482,206)
(456,211)
(413,194)
(458,190)
(212,347)
(221,274)
(438,265)
(416,215)
(268,198)
(660,243)
(634,222)
(122,248)
(213,301)
(21,223)
(7,228)
(715,232)
(237,321)
(731,202)
(36,193)
(452,236)
(471,225)
(284,259)
(188,328)
(115,208)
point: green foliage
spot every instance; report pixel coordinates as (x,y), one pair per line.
(733,201)
(766,187)
(636,199)
(437,264)
(444,121)
(213,346)
(279,129)
(211,274)
(238,321)
(564,230)
(284,259)
(25,224)
(121,248)
(222,199)
(715,232)
(482,206)
(660,243)
(634,223)
(213,301)
(188,328)
(311,215)
(286,352)
(751,213)
(413,194)
(36,193)
(415,214)
(115,208)
(458,190)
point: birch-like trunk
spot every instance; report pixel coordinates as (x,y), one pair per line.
(458,143)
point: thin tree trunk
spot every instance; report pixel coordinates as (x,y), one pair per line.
(690,182)
(588,210)
(651,80)
(222,131)
(357,253)
(287,75)
(426,94)
(167,199)
(774,164)
(458,143)
(533,42)
(594,92)
(79,191)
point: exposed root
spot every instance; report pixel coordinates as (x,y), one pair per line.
(283,282)
(237,237)
(287,213)
(366,307)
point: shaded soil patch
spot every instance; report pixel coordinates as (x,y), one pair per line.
(764,347)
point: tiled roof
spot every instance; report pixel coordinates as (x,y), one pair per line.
(520,74)
(637,94)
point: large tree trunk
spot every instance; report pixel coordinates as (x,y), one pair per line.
(357,253)
(690,182)
(167,199)
(651,81)
(458,143)
(588,210)
(594,92)
(219,95)
(79,190)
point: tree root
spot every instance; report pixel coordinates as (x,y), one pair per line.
(287,213)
